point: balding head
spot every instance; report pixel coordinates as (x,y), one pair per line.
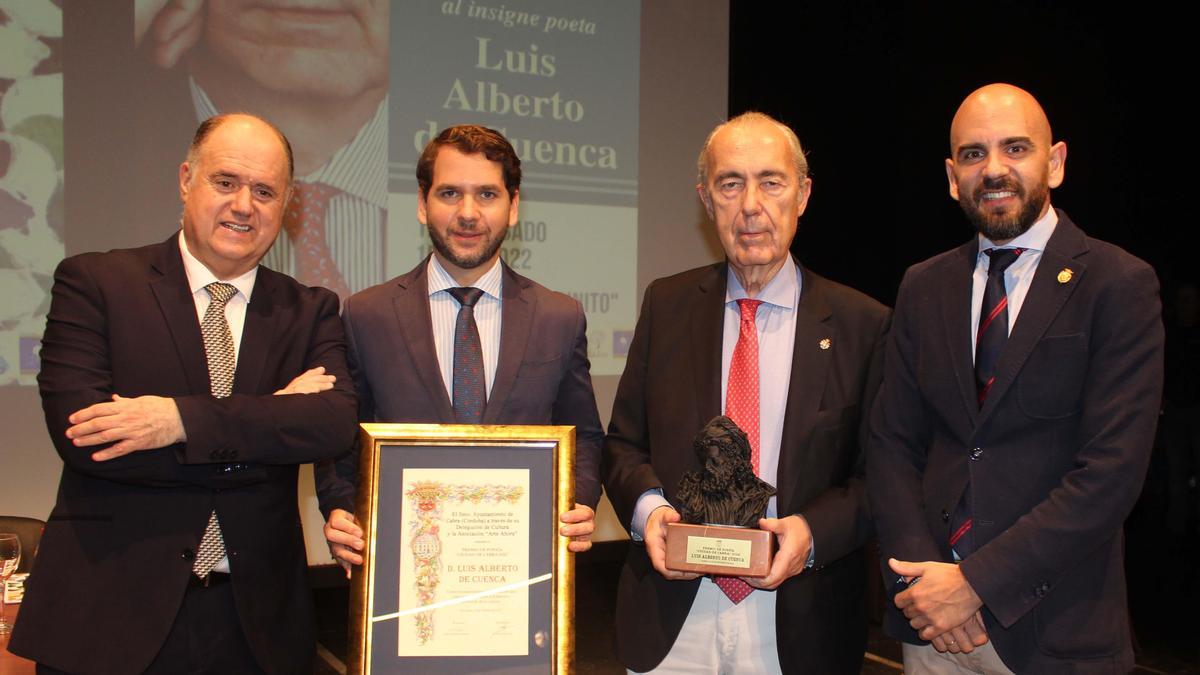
(1002,162)
(208,126)
(996,102)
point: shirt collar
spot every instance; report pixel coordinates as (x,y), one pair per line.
(781,291)
(354,169)
(440,279)
(1033,239)
(199,276)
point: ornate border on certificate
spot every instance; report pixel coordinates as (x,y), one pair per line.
(464,569)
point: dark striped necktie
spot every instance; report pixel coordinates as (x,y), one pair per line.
(993,320)
(990,338)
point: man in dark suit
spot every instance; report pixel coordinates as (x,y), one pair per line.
(805,352)
(1014,427)
(405,335)
(175,542)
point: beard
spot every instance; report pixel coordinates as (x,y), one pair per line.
(463,261)
(997,227)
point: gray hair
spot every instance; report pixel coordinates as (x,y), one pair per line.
(751,118)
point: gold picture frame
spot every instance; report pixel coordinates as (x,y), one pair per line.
(442,506)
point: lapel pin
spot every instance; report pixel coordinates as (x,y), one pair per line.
(825,343)
(1065,275)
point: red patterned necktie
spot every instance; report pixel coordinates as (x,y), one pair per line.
(741,406)
(304,221)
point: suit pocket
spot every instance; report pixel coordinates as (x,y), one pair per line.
(540,368)
(1051,382)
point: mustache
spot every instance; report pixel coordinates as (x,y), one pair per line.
(1006,183)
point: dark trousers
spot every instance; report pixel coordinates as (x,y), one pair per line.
(206,638)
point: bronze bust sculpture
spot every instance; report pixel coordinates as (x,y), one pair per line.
(725,491)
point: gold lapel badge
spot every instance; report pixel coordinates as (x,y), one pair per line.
(1065,275)
(825,343)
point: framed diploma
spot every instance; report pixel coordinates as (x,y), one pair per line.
(464,570)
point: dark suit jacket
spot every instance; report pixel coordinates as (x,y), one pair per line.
(541,377)
(671,388)
(117,553)
(1055,458)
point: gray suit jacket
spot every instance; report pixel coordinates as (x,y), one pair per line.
(541,377)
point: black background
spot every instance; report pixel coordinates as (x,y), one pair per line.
(871,87)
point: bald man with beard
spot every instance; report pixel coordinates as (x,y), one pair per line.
(1014,427)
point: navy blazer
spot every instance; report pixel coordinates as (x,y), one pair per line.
(1055,458)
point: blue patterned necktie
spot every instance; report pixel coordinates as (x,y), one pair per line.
(470,395)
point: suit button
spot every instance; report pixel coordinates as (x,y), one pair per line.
(233,454)
(214,455)
(187,554)
(945,516)
(976,454)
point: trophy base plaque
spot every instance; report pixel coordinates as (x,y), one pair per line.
(719,549)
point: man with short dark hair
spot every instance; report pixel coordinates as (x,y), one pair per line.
(406,347)
(794,360)
(1022,388)
(183,384)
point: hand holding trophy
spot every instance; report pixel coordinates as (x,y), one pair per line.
(721,506)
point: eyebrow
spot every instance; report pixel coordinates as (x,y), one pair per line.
(771,173)
(1004,141)
(460,187)
(1017,139)
(765,173)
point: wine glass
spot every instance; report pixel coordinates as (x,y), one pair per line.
(10,557)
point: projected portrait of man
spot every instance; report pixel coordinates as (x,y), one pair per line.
(319,70)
